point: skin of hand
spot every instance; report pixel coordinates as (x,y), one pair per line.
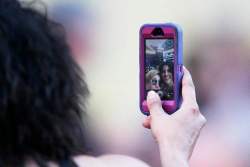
(176,134)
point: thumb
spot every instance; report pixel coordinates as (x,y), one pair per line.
(154,104)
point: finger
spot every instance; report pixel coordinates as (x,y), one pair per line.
(147,122)
(188,89)
(154,104)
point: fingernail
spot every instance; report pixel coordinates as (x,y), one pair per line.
(151,94)
(153,102)
(152,97)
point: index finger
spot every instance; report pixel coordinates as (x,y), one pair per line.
(188,89)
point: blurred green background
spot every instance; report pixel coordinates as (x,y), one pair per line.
(104,36)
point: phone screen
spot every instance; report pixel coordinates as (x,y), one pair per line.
(159,67)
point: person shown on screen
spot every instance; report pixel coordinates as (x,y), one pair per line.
(166,80)
(43,94)
(153,80)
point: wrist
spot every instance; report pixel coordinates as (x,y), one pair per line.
(172,157)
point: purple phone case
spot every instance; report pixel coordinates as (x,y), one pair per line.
(169,106)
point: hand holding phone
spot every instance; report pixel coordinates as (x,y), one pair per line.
(176,134)
(161,64)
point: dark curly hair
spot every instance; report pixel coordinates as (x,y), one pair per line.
(169,64)
(42,92)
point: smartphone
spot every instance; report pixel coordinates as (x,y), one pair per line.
(161,63)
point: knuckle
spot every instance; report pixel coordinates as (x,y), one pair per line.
(194,110)
(152,103)
(157,112)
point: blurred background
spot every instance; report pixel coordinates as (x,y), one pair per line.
(104,36)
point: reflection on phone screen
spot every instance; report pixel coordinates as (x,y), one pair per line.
(159,67)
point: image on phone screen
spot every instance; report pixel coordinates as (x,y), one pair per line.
(159,67)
